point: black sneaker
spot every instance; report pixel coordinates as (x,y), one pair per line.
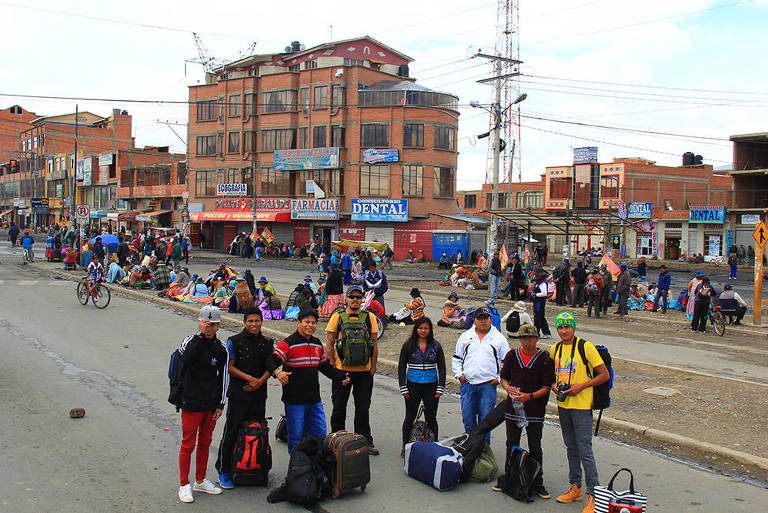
(541,492)
(372,450)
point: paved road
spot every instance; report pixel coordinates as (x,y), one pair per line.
(59,354)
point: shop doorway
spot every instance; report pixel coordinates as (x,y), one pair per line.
(671,248)
(218,235)
(324,235)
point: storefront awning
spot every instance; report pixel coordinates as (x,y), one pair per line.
(147,216)
(113,215)
(280,217)
(127,216)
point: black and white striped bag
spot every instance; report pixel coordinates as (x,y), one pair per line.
(608,500)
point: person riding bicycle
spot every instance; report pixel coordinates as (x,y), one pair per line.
(26,243)
(95,271)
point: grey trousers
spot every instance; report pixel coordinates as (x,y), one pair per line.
(576,426)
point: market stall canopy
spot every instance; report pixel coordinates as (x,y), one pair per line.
(467,218)
(279,217)
(378,246)
(574,223)
(147,216)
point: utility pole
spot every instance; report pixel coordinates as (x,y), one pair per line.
(72,176)
(496,157)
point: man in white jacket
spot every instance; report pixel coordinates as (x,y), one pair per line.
(479,354)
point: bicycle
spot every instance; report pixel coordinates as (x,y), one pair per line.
(717,318)
(99,296)
(28,256)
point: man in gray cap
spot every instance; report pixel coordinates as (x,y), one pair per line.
(203,393)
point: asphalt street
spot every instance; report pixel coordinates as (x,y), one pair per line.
(123,455)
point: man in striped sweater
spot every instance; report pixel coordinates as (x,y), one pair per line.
(301,356)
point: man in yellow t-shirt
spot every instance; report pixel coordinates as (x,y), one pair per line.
(575,410)
(358,357)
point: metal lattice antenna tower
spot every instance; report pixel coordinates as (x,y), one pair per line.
(507,46)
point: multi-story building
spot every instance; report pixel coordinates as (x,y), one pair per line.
(13,121)
(334,142)
(750,184)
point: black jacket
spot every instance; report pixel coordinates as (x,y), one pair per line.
(251,354)
(122,252)
(205,373)
(495,267)
(579,275)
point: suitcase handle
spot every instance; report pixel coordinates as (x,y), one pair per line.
(631,480)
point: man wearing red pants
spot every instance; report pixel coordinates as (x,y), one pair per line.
(203,394)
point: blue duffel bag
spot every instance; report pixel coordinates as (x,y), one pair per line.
(434,464)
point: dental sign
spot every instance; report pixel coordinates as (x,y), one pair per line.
(711,215)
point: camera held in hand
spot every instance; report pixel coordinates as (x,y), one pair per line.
(562,391)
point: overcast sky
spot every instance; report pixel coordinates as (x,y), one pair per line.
(706,60)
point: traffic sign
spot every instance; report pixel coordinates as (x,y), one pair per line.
(760,234)
(83,212)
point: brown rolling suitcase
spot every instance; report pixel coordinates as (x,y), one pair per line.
(352,467)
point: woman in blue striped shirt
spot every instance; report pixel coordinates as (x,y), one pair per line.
(421,374)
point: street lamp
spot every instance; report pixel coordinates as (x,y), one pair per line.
(498,146)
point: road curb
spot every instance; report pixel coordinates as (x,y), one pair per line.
(390,366)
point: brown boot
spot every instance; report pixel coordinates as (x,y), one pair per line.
(590,506)
(572,495)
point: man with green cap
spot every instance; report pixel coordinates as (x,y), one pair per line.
(578,368)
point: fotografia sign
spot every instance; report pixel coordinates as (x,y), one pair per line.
(231,189)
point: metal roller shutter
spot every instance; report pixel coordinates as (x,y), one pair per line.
(381,234)
(283,232)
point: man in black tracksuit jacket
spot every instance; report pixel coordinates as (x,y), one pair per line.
(248,352)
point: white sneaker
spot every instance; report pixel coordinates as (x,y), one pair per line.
(185,493)
(207,487)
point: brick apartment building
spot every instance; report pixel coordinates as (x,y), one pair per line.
(343,117)
(13,121)
(750,183)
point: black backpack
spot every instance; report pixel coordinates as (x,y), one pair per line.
(252,457)
(601,394)
(307,479)
(513,322)
(281,431)
(175,378)
(520,474)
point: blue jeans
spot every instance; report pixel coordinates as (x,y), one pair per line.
(477,401)
(733,272)
(495,286)
(663,296)
(576,426)
(301,417)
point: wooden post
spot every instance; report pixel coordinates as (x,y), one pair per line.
(757,306)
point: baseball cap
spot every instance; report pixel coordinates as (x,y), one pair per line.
(308,277)
(210,313)
(354,288)
(623,266)
(482,312)
(699,274)
(263,279)
(528,330)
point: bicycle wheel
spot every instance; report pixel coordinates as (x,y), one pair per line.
(101,297)
(381,326)
(82,292)
(718,319)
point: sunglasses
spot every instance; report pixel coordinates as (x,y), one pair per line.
(482,317)
(355,297)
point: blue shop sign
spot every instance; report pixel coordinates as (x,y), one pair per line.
(712,215)
(639,210)
(374,155)
(585,155)
(369,209)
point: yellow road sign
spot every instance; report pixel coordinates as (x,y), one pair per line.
(760,234)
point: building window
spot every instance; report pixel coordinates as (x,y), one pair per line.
(304,92)
(282,139)
(249,141)
(413,135)
(233,142)
(676,226)
(318,136)
(206,145)
(413,181)
(338,96)
(250,104)
(329,180)
(310,64)
(501,200)
(275,183)
(207,110)
(205,183)
(338,136)
(470,201)
(303,141)
(444,182)
(560,188)
(126,177)
(374,180)
(374,135)
(609,187)
(352,62)
(294,67)
(234,105)
(321,97)
(181,173)
(246,176)
(444,136)
(530,199)
(280,101)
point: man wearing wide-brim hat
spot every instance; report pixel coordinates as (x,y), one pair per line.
(516,318)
